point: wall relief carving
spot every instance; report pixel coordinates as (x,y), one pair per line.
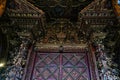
(63,31)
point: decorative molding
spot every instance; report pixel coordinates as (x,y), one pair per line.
(96,5)
(23,6)
(63,31)
(61,8)
(98,13)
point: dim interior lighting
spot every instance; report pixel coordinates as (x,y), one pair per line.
(118,2)
(1,64)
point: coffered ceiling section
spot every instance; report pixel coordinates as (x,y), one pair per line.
(61,8)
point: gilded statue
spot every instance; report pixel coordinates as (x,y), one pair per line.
(2,6)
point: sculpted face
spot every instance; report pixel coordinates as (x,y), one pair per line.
(2,6)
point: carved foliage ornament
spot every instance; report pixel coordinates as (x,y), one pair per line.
(58,2)
(63,31)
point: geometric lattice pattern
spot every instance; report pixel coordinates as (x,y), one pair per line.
(46,67)
(61,66)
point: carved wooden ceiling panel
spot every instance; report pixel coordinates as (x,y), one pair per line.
(61,8)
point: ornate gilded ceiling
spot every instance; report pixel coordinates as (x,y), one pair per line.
(61,8)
